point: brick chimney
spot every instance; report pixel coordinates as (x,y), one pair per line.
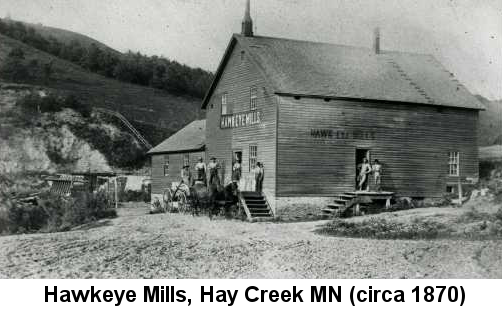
(377,40)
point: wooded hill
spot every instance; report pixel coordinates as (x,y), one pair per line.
(133,84)
(490,122)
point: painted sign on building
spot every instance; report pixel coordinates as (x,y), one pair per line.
(342,134)
(242,119)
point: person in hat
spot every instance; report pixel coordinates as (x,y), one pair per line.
(259,173)
(201,169)
(186,175)
(236,170)
(213,168)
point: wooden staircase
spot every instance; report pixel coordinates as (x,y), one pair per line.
(358,202)
(127,124)
(256,207)
(341,203)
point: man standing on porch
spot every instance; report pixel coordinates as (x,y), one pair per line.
(363,175)
(236,170)
(377,174)
(201,170)
(214,169)
(259,172)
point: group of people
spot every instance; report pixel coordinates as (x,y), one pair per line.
(258,171)
(365,171)
(205,174)
(210,173)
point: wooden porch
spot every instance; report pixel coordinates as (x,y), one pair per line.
(356,200)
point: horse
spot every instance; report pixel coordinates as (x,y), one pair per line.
(199,198)
(221,197)
(213,198)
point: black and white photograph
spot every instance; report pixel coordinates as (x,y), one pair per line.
(251,139)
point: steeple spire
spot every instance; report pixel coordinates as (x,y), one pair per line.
(247,22)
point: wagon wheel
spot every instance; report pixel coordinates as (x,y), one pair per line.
(182,203)
(168,199)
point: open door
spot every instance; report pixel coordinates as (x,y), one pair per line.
(361,155)
(236,158)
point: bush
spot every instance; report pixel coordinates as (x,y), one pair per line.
(24,217)
(53,213)
(473,215)
(379,228)
(14,68)
(85,208)
(498,214)
(52,104)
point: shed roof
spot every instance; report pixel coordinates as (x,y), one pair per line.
(295,67)
(190,138)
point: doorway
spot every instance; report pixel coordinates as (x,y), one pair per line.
(236,156)
(361,154)
(236,168)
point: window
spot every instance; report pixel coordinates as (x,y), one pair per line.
(186,160)
(243,56)
(253,156)
(453,163)
(224,104)
(253,98)
(166,165)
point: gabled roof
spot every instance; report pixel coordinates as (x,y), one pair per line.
(295,67)
(190,138)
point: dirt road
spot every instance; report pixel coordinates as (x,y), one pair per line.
(138,245)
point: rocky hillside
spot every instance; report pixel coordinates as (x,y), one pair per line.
(41,132)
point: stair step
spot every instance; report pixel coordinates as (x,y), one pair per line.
(257,216)
(257,206)
(252,194)
(341,201)
(347,195)
(259,211)
(260,206)
(329,211)
(252,202)
(336,205)
(260,214)
(255,200)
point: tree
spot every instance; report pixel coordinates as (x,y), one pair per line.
(154,71)
(14,68)
(47,70)
(91,58)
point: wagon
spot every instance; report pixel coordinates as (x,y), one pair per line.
(176,198)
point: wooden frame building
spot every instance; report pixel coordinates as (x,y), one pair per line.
(168,158)
(310,111)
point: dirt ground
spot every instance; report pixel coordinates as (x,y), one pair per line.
(138,245)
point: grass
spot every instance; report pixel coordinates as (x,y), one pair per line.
(478,220)
(380,228)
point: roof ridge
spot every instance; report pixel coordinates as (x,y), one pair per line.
(382,52)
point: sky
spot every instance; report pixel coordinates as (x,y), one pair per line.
(464,35)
